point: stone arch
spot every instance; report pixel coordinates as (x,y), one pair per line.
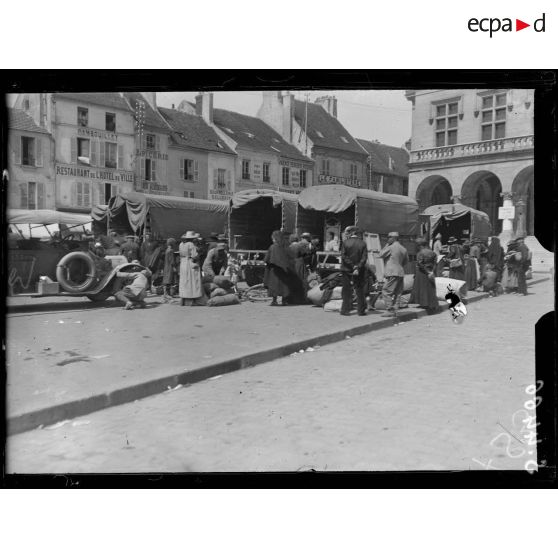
(433,190)
(524,200)
(482,190)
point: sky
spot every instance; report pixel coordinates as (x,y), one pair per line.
(383,115)
(371,115)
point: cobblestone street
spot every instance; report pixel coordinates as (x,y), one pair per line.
(423,395)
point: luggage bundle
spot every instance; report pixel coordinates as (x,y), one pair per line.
(220,291)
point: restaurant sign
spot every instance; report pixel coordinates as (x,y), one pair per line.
(95,174)
(224,195)
(329,179)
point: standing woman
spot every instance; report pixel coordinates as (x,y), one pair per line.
(471,276)
(424,287)
(277,269)
(190,285)
(455,257)
(169,269)
(298,252)
(495,257)
(509,277)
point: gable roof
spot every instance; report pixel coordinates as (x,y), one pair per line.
(320,121)
(152,118)
(108,99)
(190,130)
(252,133)
(19,120)
(380,154)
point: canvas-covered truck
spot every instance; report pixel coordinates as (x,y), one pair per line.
(331,208)
(48,255)
(163,216)
(253,215)
(454,220)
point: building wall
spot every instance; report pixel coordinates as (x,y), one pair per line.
(73,177)
(389,184)
(21,175)
(158,156)
(339,167)
(178,184)
(519,120)
(218,161)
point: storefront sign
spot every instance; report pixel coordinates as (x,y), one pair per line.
(224,195)
(102,134)
(149,154)
(506,212)
(289,190)
(95,174)
(295,164)
(153,188)
(328,179)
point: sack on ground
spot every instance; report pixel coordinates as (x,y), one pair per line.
(227,300)
(223,282)
(209,288)
(408,282)
(218,292)
(442,287)
(333,306)
(314,295)
(336,295)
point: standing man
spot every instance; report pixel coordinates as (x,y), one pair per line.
(146,250)
(395,257)
(354,256)
(522,266)
(216,260)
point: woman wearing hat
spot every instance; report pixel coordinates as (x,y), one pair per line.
(190,285)
(424,286)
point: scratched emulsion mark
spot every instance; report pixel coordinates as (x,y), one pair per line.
(457,309)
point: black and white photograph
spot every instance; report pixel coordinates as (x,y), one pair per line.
(274,279)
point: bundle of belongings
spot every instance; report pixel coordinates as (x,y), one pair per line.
(220,290)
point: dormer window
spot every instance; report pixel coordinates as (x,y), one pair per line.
(319,134)
(343,138)
(250,135)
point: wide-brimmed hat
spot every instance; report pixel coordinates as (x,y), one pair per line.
(452,240)
(190,235)
(439,235)
(393,234)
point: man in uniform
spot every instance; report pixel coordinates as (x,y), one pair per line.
(395,257)
(354,256)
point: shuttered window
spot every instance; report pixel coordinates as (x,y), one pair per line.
(32,195)
(120,156)
(221,180)
(189,170)
(285,175)
(111,155)
(82,194)
(265,175)
(303,179)
(28,151)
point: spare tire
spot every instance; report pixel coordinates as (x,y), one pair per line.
(76,272)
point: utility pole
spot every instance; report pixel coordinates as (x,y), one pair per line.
(306,125)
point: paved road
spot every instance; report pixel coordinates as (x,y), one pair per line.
(422,395)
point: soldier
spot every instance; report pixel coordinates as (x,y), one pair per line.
(354,256)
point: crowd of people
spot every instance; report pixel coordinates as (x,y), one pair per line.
(182,268)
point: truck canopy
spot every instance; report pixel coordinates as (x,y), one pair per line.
(457,220)
(256,213)
(169,216)
(46,217)
(370,210)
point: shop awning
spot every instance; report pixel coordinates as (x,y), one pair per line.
(46,217)
(375,211)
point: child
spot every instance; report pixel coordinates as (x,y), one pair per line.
(488,280)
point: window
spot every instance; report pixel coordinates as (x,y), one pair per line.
(83,194)
(150,141)
(83,151)
(28,151)
(110,155)
(286,174)
(188,194)
(303,179)
(32,195)
(150,170)
(325,166)
(266,177)
(353,171)
(110,122)
(493,119)
(245,169)
(221,178)
(446,124)
(189,170)
(82,116)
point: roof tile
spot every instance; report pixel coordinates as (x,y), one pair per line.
(108,99)
(19,120)
(380,154)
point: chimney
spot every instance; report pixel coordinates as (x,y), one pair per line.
(151,98)
(329,102)
(288,115)
(204,106)
(172,106)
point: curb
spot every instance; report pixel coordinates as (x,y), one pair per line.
(79,407)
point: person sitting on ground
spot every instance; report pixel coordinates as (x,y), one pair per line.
(134,293)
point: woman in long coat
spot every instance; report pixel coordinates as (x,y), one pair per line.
(509,277)
(190,286)
(298,252)
(278,270)
(471,276)
(424,287)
